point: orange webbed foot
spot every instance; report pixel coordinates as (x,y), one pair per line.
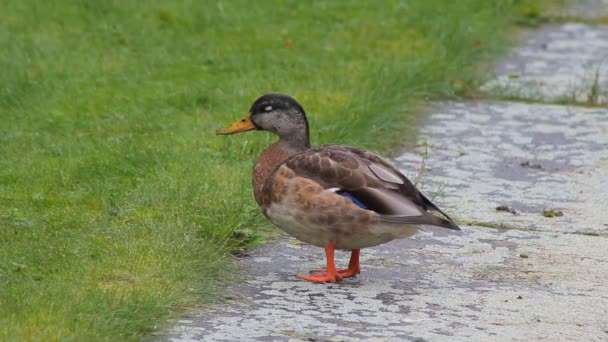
(320,277)
(347,273)
(331,273)
(342,272)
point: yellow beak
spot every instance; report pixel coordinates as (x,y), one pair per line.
(242,125)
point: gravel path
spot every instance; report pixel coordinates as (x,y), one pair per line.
(507,276)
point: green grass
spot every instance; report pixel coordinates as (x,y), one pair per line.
(118,204)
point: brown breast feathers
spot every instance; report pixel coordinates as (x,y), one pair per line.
(267,162)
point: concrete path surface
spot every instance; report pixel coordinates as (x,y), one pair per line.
(559,62)
(510,275)
(588,9)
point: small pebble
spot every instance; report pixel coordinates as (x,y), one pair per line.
(531,165)
(520,297)
(525,256)
(506,208)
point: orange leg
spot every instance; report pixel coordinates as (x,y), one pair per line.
(331,273)
(353,265)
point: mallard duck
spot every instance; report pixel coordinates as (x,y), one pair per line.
(331,196)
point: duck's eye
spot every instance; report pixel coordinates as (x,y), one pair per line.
(267,108)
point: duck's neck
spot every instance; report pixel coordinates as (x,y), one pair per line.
(269,160)
(297,139)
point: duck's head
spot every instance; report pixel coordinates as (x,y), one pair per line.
(277,113)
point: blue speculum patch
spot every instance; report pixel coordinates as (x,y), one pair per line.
(352,198)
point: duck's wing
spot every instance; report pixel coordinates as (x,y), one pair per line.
(370,180)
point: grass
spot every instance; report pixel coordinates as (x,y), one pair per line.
(496,225)
(118,205)
(594,97)
(588,233)
(594,92)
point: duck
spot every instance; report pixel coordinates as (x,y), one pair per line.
(337,197)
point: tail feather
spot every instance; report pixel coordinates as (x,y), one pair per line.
(434,207)
(421,220)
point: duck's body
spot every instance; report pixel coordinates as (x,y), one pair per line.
(304,196)
(331,196)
